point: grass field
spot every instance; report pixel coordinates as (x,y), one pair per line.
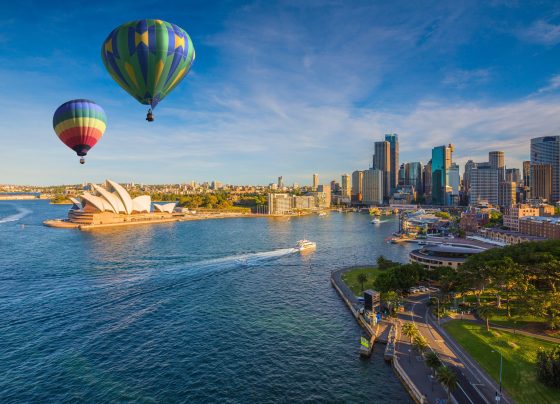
(519,355)
(351,278)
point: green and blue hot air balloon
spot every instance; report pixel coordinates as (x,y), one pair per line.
(148,58)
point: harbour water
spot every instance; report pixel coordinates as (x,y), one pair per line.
(216,310)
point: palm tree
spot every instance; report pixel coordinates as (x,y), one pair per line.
(362,278)
(420,343)
(485,312)
(410,330)
(448,378)
(432,360)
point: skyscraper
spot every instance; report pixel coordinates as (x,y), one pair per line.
(427,180)
(506,194)
(280,182)
(315,181)
(541,181)
(546,150)
(393,140)
(382,162)
(513,175)
(372,186)
(467,175)
(498,162)
(526,173)
(454,179)
(346,186)
(357,178)
(484,184)
(415,176)
(441,161)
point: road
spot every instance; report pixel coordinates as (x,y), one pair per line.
(474,386)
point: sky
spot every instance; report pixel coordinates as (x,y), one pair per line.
(285,88)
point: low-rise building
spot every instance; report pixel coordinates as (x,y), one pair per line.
(541,226)
(509,236)
(512,215)
(443,255)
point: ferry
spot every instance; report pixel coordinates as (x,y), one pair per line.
(306,245)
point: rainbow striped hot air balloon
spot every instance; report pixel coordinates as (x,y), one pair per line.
(148,58)
(79,124)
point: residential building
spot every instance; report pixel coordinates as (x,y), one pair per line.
(315,182)
(382,162)
(393,140)
(372,187)
(546,150)
(547,227)
(280,204)
(483,185)
(346,186)
(326,191)
(441,161)
(542,181)
(512,214)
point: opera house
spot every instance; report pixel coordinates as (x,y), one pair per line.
(111,204)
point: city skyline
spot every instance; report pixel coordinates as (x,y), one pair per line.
(260,100)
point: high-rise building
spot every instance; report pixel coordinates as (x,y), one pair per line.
(393,140)
(382,162)
(484,185)
(526,173)
(402,175)
(280,182)
(454,178)
(546,150)
(315,181)
(427,180)
(441,161)
(372,186)
(357,180)
(346,186)
(542,181)
(467,175)
(498,162)
(513,175)
(506,194)
(414,177)
(326,191)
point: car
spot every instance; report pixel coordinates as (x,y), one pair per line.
(413,290)
(422,288)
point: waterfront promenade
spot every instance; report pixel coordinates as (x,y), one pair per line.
(474,385)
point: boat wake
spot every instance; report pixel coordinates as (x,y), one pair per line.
(167,279)
(22,212)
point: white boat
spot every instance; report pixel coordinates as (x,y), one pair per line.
(376,220)
(322,213)
(306,245)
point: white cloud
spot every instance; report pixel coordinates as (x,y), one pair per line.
(541,32)
(553,85)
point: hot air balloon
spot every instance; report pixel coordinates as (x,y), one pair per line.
(79,124)
(148,58)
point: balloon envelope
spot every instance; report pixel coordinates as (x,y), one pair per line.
(79,124)
(148,58)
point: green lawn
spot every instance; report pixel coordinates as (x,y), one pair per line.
(351,278)
(519,353)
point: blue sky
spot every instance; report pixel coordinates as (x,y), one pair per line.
(282,88)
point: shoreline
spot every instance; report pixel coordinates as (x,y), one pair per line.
(67,224)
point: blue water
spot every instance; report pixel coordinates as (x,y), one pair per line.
(218,310)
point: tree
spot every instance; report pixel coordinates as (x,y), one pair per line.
(548,366)
(485,312)
(448,378)
(420,343)
(432,360)
(410,330)
(362,278)
(384,263)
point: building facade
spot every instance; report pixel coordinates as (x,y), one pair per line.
(346,186)
(372,187)
(483,185)
(498,162)
(357,182)
(393,140)
(441,161)
(507,195)
(546,150)
(541,181)
(382,162)
(513,213)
